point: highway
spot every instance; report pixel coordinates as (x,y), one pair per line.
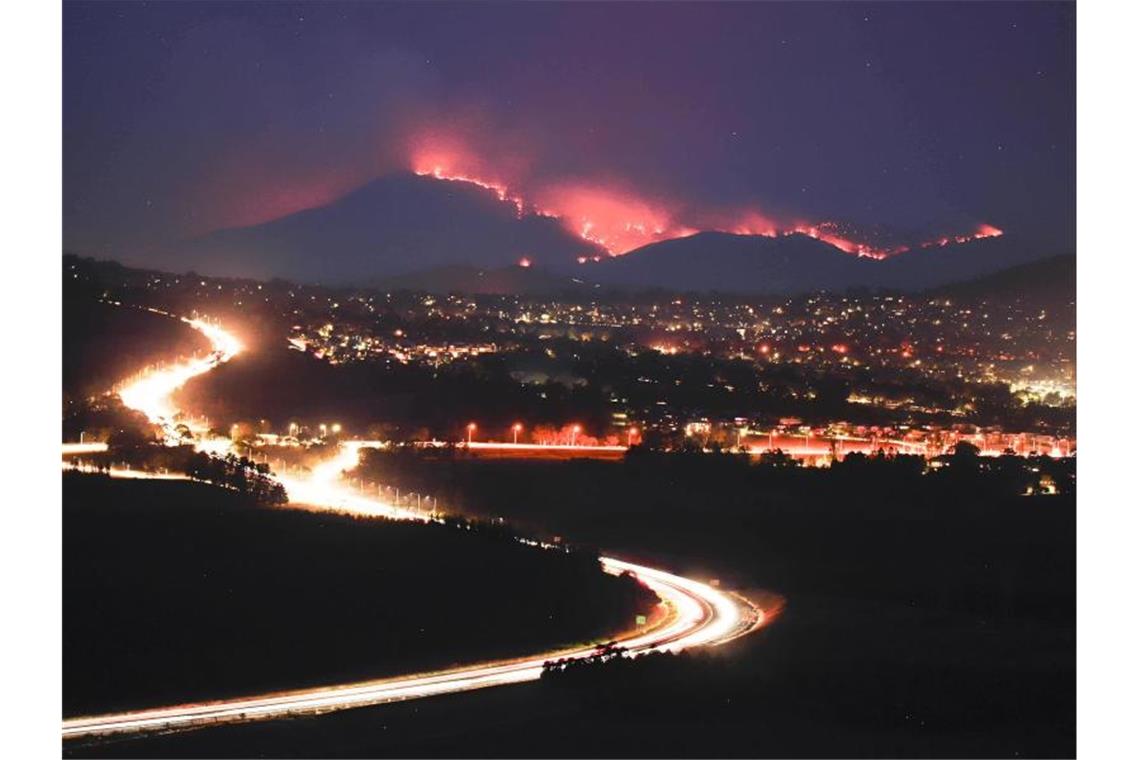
(692,613)
(151,392)
(698,615)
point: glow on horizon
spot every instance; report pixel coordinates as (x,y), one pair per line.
(619,221)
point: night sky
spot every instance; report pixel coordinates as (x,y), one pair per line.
(183,118)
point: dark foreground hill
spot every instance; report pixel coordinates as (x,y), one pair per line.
(104,344)
(1051,281)
(176,591)
(925,616)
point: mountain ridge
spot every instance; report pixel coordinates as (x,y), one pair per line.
(409,229)
(396,224)
(731,263)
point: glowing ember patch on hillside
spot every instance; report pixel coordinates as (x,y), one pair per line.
(983,231)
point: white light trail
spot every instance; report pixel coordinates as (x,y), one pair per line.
(699,615)
(696,614)
(323,488)
(125,472)
(96,447)
(152,392)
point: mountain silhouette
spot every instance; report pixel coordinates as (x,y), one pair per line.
(729,263)
(403,230)
(394,225)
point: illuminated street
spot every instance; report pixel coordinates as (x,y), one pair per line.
(695,613)
(698,615)
(151,392)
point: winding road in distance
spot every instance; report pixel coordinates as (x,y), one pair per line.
(694,614)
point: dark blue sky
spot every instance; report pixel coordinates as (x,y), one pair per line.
(180,118)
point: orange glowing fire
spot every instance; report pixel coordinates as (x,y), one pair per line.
(499,189)
(613,220)
(619,221)
(983,231)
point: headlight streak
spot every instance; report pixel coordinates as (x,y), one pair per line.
(152,393)
(699,616)
(696,613)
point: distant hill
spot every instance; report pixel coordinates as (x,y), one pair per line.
(430,234)
(931,267)
(731,263)
(750,264)
(1052,280)
(397,224)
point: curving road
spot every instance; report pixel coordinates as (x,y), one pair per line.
(694,613)
(698,615)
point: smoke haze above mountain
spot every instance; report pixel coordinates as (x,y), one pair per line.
(183,119)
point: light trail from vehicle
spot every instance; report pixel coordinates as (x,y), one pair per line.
(94,447)
(324,488)
(124,472)
(152,392)
(698,615)
(695,613)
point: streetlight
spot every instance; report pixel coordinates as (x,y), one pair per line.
(574,433)
(470,430)
(515,429)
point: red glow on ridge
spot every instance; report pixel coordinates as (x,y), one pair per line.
(983,231)
(619,221)
(500,190)
(616,221)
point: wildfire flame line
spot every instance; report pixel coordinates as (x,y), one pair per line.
(620,237)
